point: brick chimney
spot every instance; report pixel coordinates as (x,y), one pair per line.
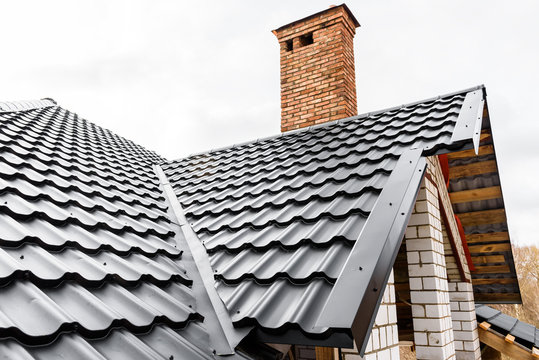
(318,80)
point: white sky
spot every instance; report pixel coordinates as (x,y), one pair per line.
(183,77)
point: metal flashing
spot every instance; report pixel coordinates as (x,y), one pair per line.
(223,336)
(365,274)
(470,117)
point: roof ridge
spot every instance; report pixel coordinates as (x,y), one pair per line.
(329,123)
(23,105)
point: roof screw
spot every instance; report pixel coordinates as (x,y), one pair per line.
(237,312)
(21,257)
(375,289)
(402,213)
(390,204)
(105,263)
(360,268)
(171,357)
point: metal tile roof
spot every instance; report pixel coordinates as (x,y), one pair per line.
(525,334)
(90,264)
(280,216)
(96,243)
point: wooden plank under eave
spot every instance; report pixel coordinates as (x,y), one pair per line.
(474,218)
(489,248)
(498,342)
(487,193)
(493,298)
(488,259)
(487,237)
(477,168)
(492,269)
(483,150)
(494,281)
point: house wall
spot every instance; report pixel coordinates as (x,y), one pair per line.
(429,291)
(441,292)
(384,339)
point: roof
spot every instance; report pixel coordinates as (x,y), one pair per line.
(284,218)
(526,335)
(90,263)
(113,247)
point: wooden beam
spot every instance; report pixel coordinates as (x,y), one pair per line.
(509,338)
(491,298)
(484,325)
(492,269)
(324,353)
(487,237)
(483,150)
(493,192)
(477,168)
(488,259)
(498,342)
(473,218)
(535,353)
(494,281)
(488,248)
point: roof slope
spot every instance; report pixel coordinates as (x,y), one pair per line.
(525,334)
(280,217)
(86,246)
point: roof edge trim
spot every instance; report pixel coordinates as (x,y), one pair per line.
(223,336)
(367,276)
(329,123)
(470,118)
(14,106)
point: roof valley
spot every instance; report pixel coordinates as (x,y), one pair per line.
(223,336)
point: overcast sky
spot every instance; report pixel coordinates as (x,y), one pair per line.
(182,77)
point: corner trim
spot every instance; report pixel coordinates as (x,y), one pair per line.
(470,117)
(366,273)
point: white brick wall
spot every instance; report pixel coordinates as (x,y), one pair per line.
(433,331)
(384,339)
(464,321)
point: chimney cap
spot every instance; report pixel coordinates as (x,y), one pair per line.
(331,8)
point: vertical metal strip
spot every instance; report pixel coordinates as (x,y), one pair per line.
(369,264)
(223,336)
(468,125)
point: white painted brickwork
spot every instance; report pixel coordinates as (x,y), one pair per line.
(464,321)
(384,339)
(433,330)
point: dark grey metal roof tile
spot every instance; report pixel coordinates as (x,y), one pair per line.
(279,216)
(525,334)
(266,266)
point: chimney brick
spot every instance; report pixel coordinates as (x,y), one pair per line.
(317,68)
